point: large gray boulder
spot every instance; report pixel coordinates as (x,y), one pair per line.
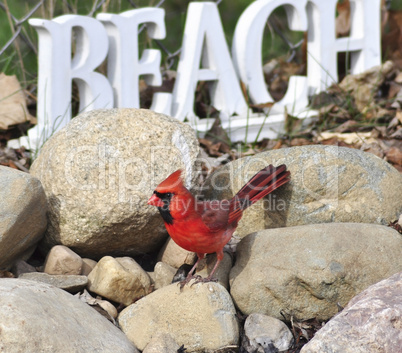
(37,317)
(306,271)
(370,323)
(23,215)
(98,173)
(329,184)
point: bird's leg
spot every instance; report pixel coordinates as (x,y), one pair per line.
(190,274)
(219,257)
(209,278)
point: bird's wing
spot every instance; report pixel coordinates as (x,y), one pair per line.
(260,185)
(215,214)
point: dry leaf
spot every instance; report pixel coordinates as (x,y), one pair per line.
(217,134)
(398,115)
(342,22)
(6,274)
(393,90)
(12,164)
(212,148)
(392,35)
(397,134)
(349,137)
(398,78)
(268,144)
(262,105)
(299,141)
(13,108)
(394,155)
(244,89)
(347,126)
(394,122)
(373,148)
(364,86)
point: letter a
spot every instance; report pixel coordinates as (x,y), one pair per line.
(204,42)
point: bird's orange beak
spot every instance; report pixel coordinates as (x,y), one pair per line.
(155,201)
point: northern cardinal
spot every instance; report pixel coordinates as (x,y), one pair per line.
(205,227)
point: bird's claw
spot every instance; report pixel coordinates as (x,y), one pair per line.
(187,280)
(199,279)
(182,284)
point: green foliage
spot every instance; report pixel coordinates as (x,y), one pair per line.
(396,4)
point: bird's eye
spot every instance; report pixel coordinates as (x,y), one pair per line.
(169,194)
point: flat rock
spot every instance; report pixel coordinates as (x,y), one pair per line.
(37,317)
(70,283)
(306,271)
(328,184)
(200,317)
(370,323)
(98,173)
(23,215)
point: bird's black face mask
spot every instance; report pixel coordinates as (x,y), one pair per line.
(166,197)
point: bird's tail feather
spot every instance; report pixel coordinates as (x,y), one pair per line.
(260,185)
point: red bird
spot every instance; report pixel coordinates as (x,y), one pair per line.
(205,227)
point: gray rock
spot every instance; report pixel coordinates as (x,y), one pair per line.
(63,261)
(370,323)
(37,317)
(98,173)
(87,266)
(173,255)
(329,184)
(263,334)
(306,271)
(161,343)
(70,283)
(202,317)
(162,275)
(102,306)
(20,267)
(23,215)
(121,280)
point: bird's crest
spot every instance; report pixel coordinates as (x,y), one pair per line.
(171,183)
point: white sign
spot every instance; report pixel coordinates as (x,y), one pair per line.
(205,56)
